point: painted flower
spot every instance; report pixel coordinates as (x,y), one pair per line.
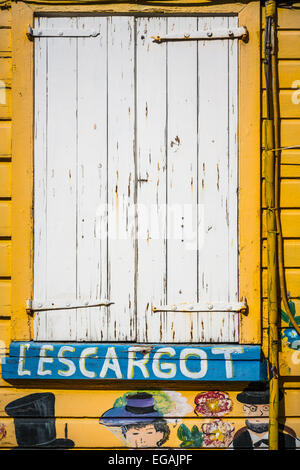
(167,403)
(180,407)
(217,433)
(212,404)
(293,339)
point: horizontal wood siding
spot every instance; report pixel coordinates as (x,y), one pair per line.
(5,139)
(81,406)
(289,84)
(5,218)
(5,180)
(77,415)
(5,258)
(5,297)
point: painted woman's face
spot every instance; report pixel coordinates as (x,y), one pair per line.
(147,436)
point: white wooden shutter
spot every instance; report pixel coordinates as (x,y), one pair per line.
(147,131)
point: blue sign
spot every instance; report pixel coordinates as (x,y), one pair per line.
(31,360)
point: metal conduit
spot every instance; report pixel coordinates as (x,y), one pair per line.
(276,276)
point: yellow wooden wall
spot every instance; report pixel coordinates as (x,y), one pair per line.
(82,405)
(5,178)
(289,84)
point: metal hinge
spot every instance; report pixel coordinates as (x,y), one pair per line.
(41,306)
(234,307)
(222,33)
(61,33)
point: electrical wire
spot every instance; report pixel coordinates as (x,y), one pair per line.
(273,113)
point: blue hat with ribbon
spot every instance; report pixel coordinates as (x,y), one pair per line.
(139,408)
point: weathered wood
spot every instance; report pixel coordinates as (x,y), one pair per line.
(133,362)
(89,434)
(91,323)
(40,183)
(151,115)
(217,180)
(78,403)
(182,185)
(115,139)
(121,320)
(58,181)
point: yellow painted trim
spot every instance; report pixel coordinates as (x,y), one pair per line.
(22,169)
(249,150)
(249,175)
(153,7)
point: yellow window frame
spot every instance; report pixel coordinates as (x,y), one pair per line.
(249,203)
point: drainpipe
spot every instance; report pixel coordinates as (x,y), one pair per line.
(276,276)
(271,209)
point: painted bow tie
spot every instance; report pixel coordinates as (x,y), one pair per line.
(262,441)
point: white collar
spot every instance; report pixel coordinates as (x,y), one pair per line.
(256,438)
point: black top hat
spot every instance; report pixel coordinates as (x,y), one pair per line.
(257,393)
(34,421)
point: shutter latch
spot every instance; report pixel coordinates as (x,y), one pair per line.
(33,306)
(61,33)
(220,33)
(234,307)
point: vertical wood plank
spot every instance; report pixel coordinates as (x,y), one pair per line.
(20,145)
(40,180)
(121,179)
(249,140)
(233,180)
(214,180)
(182,180)
(92,179)
(151,173)
(61,179)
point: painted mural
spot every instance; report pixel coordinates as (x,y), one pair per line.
(290,344)
(145,419)
(136,420)
(255,400)
(34,421)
